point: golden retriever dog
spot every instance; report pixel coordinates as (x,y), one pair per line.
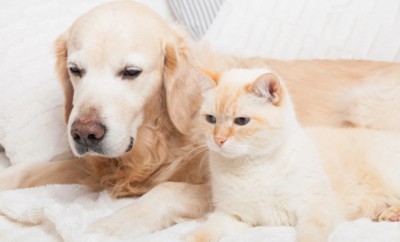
(132,93)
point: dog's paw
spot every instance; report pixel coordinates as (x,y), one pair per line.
(391,214)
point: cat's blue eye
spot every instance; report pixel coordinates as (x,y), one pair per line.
(211,119)
(241,120)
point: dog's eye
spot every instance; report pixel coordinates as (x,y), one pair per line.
(74,70)
(211,119)
(131,72)
(241,120)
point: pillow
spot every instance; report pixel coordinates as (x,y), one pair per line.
(197,16)
(306,29)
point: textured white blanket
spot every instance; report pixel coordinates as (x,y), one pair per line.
(63,213)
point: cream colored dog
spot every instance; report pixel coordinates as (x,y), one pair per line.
(132,95)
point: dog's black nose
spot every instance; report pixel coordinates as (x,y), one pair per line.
(88,131)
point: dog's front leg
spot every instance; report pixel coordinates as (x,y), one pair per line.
(43,173)
(163,206)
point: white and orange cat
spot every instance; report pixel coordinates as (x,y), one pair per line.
(268,170)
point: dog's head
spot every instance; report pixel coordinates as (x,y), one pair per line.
(111,62)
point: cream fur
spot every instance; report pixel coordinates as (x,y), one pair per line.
(371,104)
(167,148)
(282,178)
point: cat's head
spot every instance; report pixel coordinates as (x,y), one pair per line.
(246,111)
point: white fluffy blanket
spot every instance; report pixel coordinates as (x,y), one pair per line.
(63,213)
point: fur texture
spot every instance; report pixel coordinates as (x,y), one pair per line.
(159,108)
(267,170)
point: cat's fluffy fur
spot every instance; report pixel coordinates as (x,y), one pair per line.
(269,172)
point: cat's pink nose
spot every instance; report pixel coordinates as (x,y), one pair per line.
(219,140)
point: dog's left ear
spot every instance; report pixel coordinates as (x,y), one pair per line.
(61,53)
(182,83)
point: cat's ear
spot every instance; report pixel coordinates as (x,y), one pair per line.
(268,86)
(207,79)
(211,74)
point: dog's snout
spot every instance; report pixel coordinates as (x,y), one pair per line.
(88,131)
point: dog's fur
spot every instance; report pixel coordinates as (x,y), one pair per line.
(155,108)
(158,108)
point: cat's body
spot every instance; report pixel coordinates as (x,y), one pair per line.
(267,190)
(266,169)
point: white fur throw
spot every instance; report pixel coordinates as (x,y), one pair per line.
(58,213)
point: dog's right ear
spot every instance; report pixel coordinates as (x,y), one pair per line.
(207,79)
(61,53)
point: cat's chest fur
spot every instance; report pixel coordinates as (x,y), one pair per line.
(265,192)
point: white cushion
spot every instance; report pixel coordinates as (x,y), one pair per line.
(306,29)
(197,16)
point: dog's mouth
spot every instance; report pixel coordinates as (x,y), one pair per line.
(93,149)
(98,149)
(130,146)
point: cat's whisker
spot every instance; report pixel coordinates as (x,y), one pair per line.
(199,151)
(205,148)
(183,147)
(197,148)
